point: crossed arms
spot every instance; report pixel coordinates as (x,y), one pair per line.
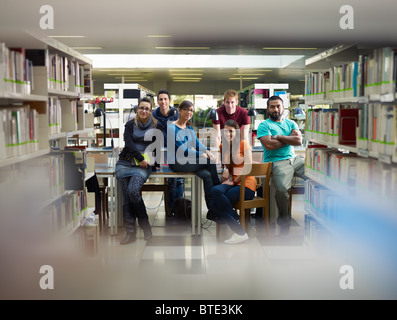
(273,143)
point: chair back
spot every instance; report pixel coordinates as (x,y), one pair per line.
(261,170)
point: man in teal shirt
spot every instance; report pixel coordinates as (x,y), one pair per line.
(278,137)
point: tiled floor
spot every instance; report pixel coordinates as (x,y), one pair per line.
(174,265)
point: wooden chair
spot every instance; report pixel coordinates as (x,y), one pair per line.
(262,170)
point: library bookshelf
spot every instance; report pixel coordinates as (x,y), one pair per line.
(351,121)
(42,89)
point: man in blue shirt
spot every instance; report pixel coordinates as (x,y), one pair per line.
(278,137)
(164,113)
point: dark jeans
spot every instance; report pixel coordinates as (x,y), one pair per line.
(206,171)
(226,196)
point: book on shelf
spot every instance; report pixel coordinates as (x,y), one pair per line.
(317,86)
(16,71)
(343,81)
(388,129)
(382,129)
(66,214)
(3,131)
(313,158)
(323,125)
(336,126)
(20,130)
(372,74)
(340,167)
(46,175)
(348,121)
(76,77)
(377,72)
(362,128)
(54,115)
(69,115)
(321,201)
(87,79)
(340,171)
(377,179)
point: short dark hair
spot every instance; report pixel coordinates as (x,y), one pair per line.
(273,98)
(163,91)
(232,123)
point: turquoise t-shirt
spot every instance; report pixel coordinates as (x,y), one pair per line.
(272,128)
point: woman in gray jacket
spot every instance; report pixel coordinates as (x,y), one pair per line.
(133,168)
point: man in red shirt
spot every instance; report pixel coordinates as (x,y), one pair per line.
(231,110)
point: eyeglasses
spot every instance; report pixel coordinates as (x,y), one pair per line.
(144,109)
(190,109)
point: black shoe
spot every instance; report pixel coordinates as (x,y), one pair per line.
(212,216)
(129,237)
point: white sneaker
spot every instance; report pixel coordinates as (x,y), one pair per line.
(235,238)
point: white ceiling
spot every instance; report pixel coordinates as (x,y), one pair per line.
(225,26)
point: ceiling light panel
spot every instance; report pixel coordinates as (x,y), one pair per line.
(248,74)
(182,48)
(186,74)
(159,36)
(65,36)
(186,80)
(192,61)
(275,48)
(244,78)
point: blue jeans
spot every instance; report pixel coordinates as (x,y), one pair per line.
(206,171)
(226,196)
(176,187)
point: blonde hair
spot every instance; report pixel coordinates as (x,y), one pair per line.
(230,94)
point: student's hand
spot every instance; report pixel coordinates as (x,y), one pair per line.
(144,164)
(210,156)
(225,175)
(228,182)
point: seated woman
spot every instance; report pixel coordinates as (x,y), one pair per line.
(133,169)
(189,154)
(236,157)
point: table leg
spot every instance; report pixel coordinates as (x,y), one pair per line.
(199,207)
(111,179)
(194,203)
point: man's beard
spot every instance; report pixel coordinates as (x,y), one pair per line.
(274,117)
